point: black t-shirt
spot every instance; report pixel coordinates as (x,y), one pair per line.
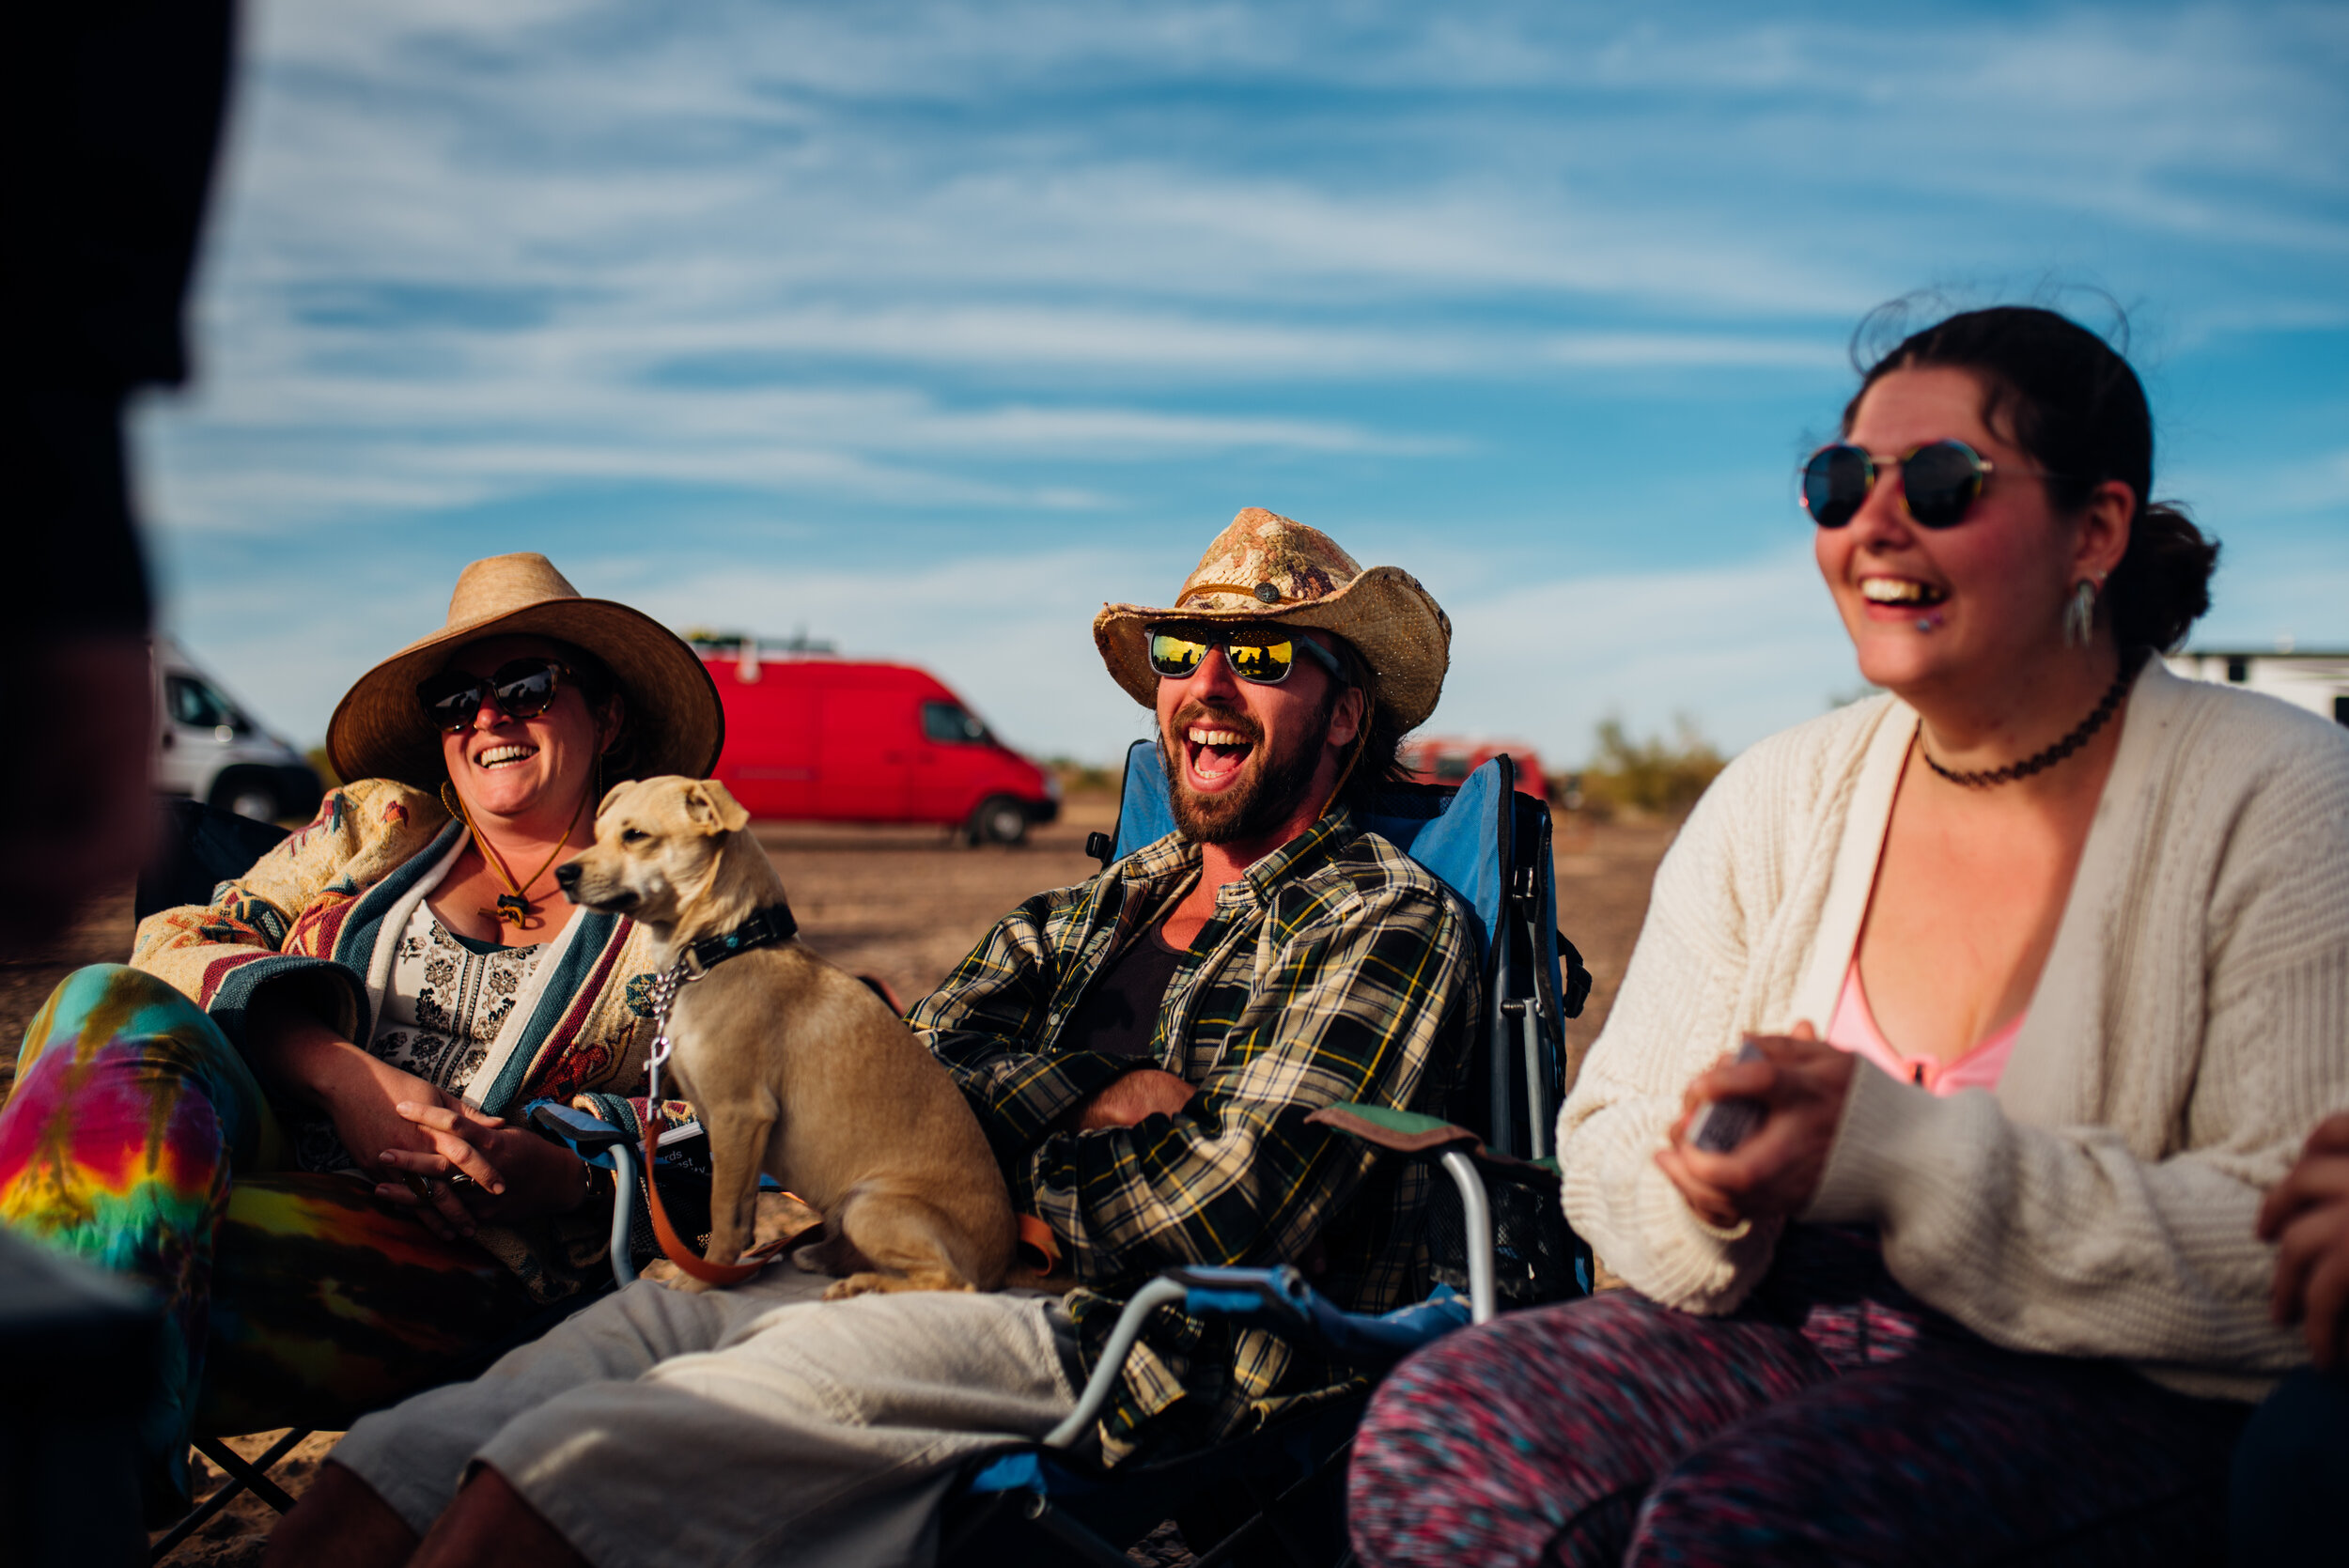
(1119,1016)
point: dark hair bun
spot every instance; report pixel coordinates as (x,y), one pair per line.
(2162,586)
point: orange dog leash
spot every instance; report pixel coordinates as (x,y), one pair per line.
(671,1244)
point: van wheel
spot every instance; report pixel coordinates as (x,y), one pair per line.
(248,792)
(999,819)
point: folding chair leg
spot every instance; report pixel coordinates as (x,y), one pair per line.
(1075,1536)
(1270,1519)
(254,1473)
(243,1475)
(1293,1545)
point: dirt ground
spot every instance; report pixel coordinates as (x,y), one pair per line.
(902,904)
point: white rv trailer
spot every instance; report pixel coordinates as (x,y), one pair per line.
(2317,680)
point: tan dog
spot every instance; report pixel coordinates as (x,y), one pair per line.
(794,1065)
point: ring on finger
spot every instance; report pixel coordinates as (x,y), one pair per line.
(459,1182)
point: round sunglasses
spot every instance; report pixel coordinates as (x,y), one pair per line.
(521,689)
(1940,481)
(1260,655)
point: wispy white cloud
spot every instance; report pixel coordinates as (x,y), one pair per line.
(1741,648)
(987,270)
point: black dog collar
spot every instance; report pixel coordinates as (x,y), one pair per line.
(765,927)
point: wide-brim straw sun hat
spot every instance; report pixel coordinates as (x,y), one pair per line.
(379,731)
(1267,567)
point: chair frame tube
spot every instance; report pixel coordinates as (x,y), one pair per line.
(623,1215)
(1538,1109)
(1476,1215)
(1103,1382)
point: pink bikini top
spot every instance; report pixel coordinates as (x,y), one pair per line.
(1853,1029)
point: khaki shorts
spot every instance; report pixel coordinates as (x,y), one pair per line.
(741,1426)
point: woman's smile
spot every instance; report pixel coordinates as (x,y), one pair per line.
(504,755)
(1901,594)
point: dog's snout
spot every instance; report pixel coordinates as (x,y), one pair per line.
(566,875)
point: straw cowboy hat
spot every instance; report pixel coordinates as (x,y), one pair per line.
(1266,567)
(380,732)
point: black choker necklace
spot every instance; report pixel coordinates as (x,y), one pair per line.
(2086,727)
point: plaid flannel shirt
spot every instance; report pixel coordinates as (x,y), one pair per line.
(1336,968)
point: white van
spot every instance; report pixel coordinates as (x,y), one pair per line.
(211,748)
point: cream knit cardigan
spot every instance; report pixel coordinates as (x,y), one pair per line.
(2191,1026)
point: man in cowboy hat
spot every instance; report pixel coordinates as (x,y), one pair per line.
(1143,1050)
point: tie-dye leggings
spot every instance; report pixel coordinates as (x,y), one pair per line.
(137,1139)
(1834,1418)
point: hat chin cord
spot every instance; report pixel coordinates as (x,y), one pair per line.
(1361,744)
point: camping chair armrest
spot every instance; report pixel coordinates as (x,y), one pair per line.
(1279,1300)
(1402,1132)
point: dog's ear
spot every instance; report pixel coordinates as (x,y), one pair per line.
(710,808)
(613,794)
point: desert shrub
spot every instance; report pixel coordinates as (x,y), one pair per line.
(1653,777)
(1085,778)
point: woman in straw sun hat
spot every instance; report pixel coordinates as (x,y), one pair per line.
(300,1120)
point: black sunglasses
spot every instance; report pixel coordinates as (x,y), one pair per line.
(521,689)
(1263,654)
(1939,482)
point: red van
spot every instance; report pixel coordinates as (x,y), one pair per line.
(1448,759)
(831,740)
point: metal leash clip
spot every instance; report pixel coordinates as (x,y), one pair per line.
(662,996)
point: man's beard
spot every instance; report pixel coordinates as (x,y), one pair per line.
(1260,801)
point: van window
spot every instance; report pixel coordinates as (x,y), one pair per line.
(198,705)
(1451,767)
(949,725)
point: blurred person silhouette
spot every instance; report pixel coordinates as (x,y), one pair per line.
(2043,963)
(114,110)
(110,115)
(2292,1467)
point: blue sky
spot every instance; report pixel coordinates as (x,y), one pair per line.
(926,329)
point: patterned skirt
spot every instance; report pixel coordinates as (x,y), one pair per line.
(137,1140)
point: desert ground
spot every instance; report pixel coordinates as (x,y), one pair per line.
(902,904)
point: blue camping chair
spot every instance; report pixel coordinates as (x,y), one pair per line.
(1496,1231)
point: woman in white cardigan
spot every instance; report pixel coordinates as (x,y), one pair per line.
(2044,962)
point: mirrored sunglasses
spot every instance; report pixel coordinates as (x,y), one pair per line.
(521,689)
(1263,654)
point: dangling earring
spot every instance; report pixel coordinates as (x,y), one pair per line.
(448,799)
(2079,614)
